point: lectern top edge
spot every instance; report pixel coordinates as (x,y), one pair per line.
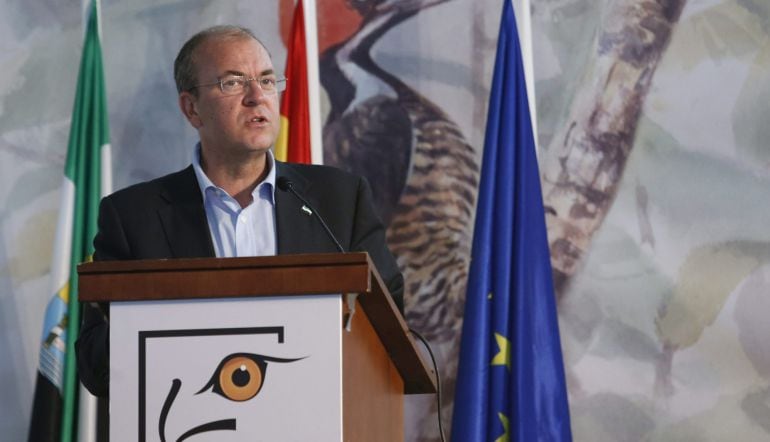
(192,264)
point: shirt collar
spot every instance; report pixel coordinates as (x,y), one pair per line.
(205,183)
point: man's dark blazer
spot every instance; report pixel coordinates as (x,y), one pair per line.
(165,218)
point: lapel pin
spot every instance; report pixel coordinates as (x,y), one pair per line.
(307,210)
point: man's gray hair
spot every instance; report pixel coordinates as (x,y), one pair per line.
(184,65)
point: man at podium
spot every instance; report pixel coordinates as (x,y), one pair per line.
(235,199)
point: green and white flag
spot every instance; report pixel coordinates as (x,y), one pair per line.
(87,176)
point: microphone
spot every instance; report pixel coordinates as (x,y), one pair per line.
(287,185)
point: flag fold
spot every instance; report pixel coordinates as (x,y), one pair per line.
(293,144)
(55,404)
(510,384)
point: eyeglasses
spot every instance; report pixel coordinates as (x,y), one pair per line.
(237,84)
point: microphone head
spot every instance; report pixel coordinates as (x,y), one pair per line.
(284,183)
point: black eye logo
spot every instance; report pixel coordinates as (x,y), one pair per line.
(240,376)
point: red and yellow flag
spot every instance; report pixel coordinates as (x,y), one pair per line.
(293,144)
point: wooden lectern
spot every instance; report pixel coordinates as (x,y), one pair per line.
(289,348)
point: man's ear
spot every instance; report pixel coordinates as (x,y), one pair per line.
(188,104)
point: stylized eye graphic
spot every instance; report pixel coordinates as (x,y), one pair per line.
(240,376)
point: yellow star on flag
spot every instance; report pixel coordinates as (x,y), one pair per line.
(505,437)
(503,357)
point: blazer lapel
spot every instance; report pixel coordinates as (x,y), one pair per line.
(184,218)
(295,228)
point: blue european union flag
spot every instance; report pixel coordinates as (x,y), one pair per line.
(510,384)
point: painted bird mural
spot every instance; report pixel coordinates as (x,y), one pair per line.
(423,172)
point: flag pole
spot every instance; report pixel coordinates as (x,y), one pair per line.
(313,81)
(523,15)
(88,403)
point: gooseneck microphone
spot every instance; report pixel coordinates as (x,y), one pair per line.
(287,185)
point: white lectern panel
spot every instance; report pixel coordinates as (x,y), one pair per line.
(257,369)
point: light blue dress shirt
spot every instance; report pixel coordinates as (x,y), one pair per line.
(236,230)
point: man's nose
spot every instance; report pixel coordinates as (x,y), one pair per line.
(253,94)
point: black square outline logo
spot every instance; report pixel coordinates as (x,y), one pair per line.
(144,335)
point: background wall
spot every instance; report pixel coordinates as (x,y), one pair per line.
(663,319)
